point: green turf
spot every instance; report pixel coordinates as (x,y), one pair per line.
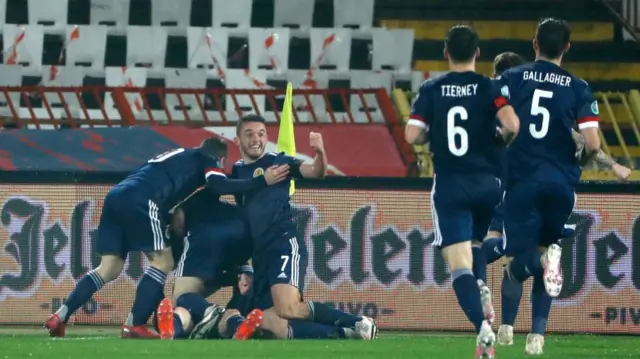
(103,343)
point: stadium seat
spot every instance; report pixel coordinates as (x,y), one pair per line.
(238,15)
(48,13)
(23,45)
(174,15)
(330,48)
(124,77)
(392,49)
(146,45)
(269,48)
(89,48)
(10,75)
(190,79)
(353,13)
(67,76)
(110,12)
(239,79)
(203,55)
(366,80)
(294,14)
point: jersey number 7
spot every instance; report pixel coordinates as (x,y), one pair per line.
(537,109)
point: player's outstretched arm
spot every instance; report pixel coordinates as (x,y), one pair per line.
(317,168)
(603,159)
(218,182)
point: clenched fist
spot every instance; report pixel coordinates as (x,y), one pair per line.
(315,142)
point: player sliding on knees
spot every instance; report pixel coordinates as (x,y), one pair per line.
(279,256)
(456,114)
(133,220)
(543,171)
(492,248)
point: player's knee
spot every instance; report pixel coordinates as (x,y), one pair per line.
(184,286)
(274,324)
(110,267)
(162,260)
(185,318)
(458,256)
(291,310)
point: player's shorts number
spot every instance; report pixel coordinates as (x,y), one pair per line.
(453,131)
(537,109)
(163,156)
(285,260)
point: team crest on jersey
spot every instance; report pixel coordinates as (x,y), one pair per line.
(594,108)
(505,91)
(258,172)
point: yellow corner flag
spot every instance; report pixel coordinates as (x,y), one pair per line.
(286,137)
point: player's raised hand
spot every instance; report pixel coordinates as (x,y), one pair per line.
(275,174)
(621,172)
(315,141)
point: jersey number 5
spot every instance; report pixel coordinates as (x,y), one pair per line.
(163,156)
(537,109)
(453,131)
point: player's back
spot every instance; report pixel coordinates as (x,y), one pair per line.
(461,117)
(548,101)
(172,176)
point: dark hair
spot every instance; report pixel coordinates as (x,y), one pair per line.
(505,61)
(214,146)
(553,36)
(461,43)
(248,118)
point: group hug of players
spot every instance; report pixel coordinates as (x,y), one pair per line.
(170,209)
(507,156)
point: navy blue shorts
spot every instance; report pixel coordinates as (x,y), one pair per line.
(463,207)
(535,214)
(284,263)
(130,223)
(497,223)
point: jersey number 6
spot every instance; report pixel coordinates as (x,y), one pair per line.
(453,131)
(537,109)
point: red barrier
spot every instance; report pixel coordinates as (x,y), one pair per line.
(126,106)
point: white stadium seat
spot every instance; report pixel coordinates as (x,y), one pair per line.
(366,80)
(238,79)
(171,13)
(110,12)
(203,55)
(124,77)
(298,13)
(29,47)
(353,13)
(269,48)
(146,45)
(67,76)
(236,15)
(48,12)
(392,49)
(89,48)
(190,79)
(10,75)
(331,48)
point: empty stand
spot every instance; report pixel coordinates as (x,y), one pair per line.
(9,76)
(238,15)
(48,12)
(89,48)
(330,49)
(146,46)
(185,105)
(357,14)
(23,45)
(111,13)
(269,49)
(207,47)
(294,14)
(392,49)
(171,13)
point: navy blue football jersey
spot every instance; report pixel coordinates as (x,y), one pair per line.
(459,109)
(172,176)
(267,209)
(550,102)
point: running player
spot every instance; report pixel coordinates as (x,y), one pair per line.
(542,167)
(457,112)
(492,247)
(133,219)
(279,256)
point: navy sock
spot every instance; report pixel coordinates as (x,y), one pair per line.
(177,327)
(492,249)
(233,323)
(87,285)
(325,314)
(195,304)
(525,265)
(511,296)
(479,263)
(300,329)
(468,294)
(149,294)
(540,306)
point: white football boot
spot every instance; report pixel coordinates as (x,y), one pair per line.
(505,335)
(535,344)
(367,328)
(552,270)
(487,302)
(485,348)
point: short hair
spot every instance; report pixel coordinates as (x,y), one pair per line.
(248,118)
(214,146)
(461,43)
(505,61)
(553,36)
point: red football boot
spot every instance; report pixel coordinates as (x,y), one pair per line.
(165,319)
(137,332)
(55,326)
(249,325)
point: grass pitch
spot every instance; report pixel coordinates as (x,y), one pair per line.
(97,343)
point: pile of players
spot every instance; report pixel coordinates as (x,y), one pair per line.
(170,209)
(507,156)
